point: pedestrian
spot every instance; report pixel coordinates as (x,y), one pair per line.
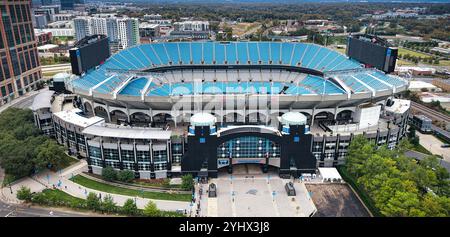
(65,187)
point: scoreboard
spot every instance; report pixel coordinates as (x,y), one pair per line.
(373,54)
(89,54)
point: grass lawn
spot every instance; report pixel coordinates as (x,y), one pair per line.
(444,63)
(422,149)
(71,160)
(155,185)
(56,194)
(88,183)
(412,53)
(401,62)
(49,74)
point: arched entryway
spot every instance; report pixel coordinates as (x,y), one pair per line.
(140,119)
(88,110)
(344,116)
(119,117)
(163,120)
(101,112)
(249,151)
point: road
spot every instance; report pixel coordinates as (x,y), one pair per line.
(12,210)
(420,156)
(19,210)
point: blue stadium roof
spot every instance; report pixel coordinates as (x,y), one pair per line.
(111,77)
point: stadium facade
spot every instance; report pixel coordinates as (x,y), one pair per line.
(166,109)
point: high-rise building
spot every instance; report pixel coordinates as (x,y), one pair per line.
(128,32)
(19,62)
(122,32)
(82,27)
(67,4)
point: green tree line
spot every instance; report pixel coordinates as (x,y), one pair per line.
(399,186)
(23,149)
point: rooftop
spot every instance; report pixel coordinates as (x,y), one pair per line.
(109,130)
(42,100)
(74,116)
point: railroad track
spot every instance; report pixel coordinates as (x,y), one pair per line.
(418,108)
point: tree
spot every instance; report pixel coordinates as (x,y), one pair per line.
(125,176)
(402,204)
(24,194)
(108,204)
(187,182)
(360,149)
(93,202)
(130,208)
(109,173)
(151,209)
(16,158)
(50,155)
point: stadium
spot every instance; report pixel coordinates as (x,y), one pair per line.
(165,109)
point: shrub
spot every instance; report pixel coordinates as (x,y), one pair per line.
(24,194)
(109,173)
(151,209)
(125,176)
(187,182)
(108,205)
(39,198)
(93,202)
(130,208)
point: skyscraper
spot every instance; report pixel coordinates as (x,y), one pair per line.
(19,62)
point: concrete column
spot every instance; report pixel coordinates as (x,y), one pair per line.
(108,112)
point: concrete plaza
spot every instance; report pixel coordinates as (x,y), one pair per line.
(256,195)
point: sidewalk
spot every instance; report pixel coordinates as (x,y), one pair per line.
(48,178)
(79,191)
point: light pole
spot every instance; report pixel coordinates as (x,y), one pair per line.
(10,188)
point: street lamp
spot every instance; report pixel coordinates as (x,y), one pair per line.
(10,188)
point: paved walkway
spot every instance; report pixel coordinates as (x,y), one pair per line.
(61,180)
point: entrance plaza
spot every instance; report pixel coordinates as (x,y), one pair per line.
(250,193)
